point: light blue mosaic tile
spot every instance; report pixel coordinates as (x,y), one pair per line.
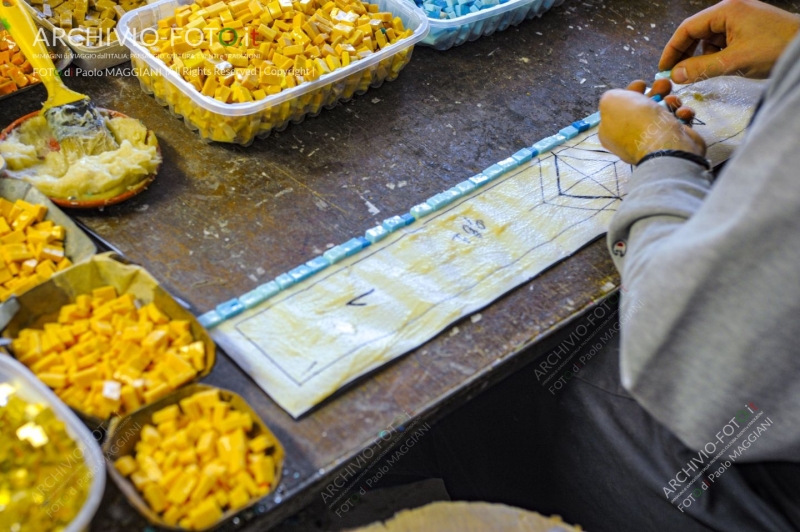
(376,234)
(570,132)
(284,281)
(480,179)
(210,319)
(299,273)
(523,156)
(335,254)
(493,172)
(230,308)
(549,143)
(593,120)
(421,210)
(466,187)
(508,164)
(393,224)
(317,264)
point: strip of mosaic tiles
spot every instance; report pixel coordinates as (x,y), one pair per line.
(237,305)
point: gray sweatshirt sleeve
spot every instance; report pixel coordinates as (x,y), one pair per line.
(711,280)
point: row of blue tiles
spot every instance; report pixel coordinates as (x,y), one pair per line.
(238,305)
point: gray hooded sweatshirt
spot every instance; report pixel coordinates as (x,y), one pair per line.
(711,273)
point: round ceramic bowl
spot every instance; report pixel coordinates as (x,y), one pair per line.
(91,203)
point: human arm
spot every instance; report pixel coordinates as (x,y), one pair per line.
(712,281)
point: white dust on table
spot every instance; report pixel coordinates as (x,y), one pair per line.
(283,192)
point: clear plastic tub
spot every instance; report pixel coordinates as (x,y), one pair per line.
(447,33)
(241,123)
(31,389)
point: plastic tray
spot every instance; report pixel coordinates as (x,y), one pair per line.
(78,246)
(241,123)
(447,33)
(123,437)
(87,57)
(31,389)
(41,304)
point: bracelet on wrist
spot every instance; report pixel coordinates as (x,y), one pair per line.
(680,154)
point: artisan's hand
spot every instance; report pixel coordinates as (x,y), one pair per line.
(742,37)
(633,125)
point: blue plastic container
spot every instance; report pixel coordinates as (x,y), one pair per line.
(446,33)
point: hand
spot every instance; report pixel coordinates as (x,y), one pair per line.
(633,125)
(743,37)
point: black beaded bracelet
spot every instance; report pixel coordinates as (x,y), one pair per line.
(693,157)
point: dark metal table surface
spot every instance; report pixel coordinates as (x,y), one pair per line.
(220,219)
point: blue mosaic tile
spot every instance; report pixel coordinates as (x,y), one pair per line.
(352,246)
(581,126)
(269,289)
(284,281)
(442,200)
(210,319)
(493,172)
(480,179)
(300,273)
(252,298)
(335,254)
(593,120)
(393,224)
(466,187)
(421,210)
(523,156)
(508,164)
(260,294)
(376,234)
(230,308)
(570,132)
(667,74)
(317,264)
(549,143)
(408,219)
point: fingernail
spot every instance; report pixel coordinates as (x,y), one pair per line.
(679,75)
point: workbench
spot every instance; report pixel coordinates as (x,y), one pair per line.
(220,219)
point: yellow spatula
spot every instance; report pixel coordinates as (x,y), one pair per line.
(73,118)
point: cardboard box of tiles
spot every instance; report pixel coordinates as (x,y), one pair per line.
(236,306)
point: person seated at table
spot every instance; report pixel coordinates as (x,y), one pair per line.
(711,276)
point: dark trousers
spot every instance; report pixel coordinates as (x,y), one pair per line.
(591,454)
